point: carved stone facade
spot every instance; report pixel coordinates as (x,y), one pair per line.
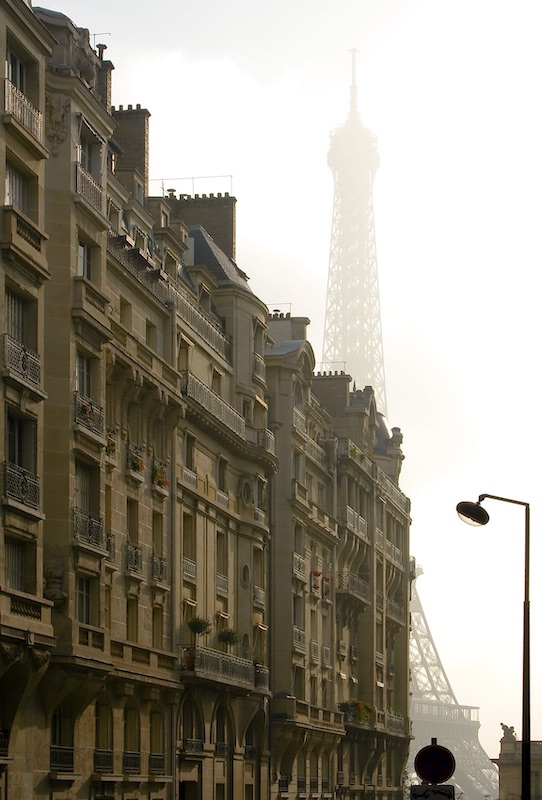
(191,519)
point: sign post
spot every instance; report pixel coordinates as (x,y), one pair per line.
(434,764)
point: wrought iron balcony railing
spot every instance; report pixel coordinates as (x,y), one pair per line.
(21,485)
(88,528)
(18,104)
(212,402)
(89,414)
(21,360)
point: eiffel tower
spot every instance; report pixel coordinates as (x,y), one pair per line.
(435,713)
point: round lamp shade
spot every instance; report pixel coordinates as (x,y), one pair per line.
(472,513)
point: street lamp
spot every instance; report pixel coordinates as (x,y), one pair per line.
(474,514)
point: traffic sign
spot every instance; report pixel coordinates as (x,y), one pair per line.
(434,763)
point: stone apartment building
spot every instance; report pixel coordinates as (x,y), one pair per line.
(339,580)
(191,520)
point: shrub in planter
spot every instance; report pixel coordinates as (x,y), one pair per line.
(199,625)
(228,636)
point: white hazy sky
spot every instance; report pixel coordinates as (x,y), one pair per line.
(452,90)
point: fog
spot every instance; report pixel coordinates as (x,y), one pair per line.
(451,90)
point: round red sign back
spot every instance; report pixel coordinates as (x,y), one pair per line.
(434,763)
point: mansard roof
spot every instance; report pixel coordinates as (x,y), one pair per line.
(207,252)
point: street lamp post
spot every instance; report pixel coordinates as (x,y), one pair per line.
(474,514)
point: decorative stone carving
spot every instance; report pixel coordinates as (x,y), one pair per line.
(57,108)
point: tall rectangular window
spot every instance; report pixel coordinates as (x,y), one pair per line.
(83,375)
(84,487)
(132,521)
(131,619)
(85,154)
(21,435)
(16,71)
(83,599)
(15,316)
(16,188)
(15,564)
(84,260)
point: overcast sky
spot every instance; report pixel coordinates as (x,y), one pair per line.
(452,91)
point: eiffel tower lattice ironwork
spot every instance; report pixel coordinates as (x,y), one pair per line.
(435,713)
(352,329)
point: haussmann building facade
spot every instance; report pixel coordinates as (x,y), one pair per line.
(204,567)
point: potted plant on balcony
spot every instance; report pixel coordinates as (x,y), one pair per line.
(199,625)
(159,476)
(228,636)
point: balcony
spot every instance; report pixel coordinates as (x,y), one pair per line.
(21,112)
(192,746)
(135,463)
(356,522)
(394,553)
(299,420)
(208,399)
(189,569)
(89,414)
(21,485)
(258,596)
(89,189)
(348,582)
(159,569)
(131,763)
(134,559)
(157,763)
(299,639)
(190,478)
(19,362)
(258,367)
(259,515)
(299,566)
(88,529)
(206,328)
(61,758)
(103,761)
(316,453)
(393,493)
(222,584)
(261,676)
(23,240)
(266,440)
(110,546)
(347,448)
(217,665)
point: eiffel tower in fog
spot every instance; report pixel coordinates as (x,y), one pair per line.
(352,328)
(435,713)
(353,341)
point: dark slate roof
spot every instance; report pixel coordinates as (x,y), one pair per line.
(208,253)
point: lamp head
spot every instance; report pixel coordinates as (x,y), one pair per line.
(472,513)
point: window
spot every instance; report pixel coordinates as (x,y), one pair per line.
(83,374)
(189,538)
(84,260)
(132,520)
(16,188)
(125,313)
(83,599)
(20,566)
(104,725)
(221,470)
(157,629)
(16,71)
(21,432)
(84,155)
(157,537)
(190,452)
(85,487)
(150,334)
(15,317)
(132,613)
